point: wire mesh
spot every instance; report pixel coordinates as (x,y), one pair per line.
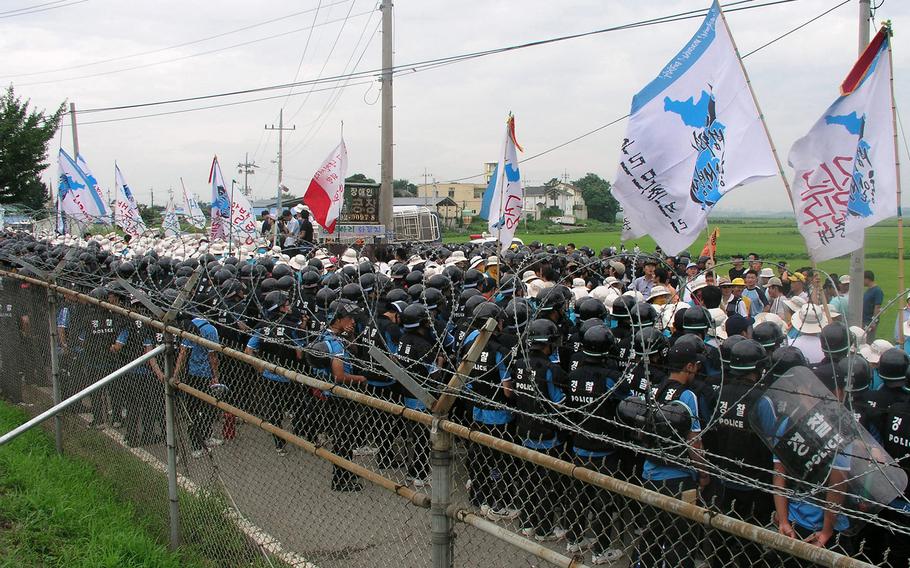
(271,481)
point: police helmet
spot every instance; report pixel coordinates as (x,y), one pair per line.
(854,372)
(455,274)
(597,341)
(310,279)
(485,311)
(467,294)
(768,334)
(439,282)
(543,332)
(184,272)
(696,319)
(747,356)
(642,315)
(318,355)
(365,267)
(414,315)
(315,263)
(99,293)
(367,282)
(786,358)
(414,278)
(352,292)
(400,271)
(281,270)
(516,314)
(472,303)
(621,308)
(126,270)
(325,296)
(334,281)
(433,298)
(344,308)
(231,287)
(588,324)
(893,365)
(268,285)
(727,346)
(550,299)
(649,341)
(397,295)
(589,307)
(472,278)
(509,284)
(274,300)
(285,283)
(221,276)
(835,339)
(415,292)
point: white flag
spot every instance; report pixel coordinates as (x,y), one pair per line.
(170,224)
(508,197)
(126,210)
(845,174)
(191,210)
(325,194)
(221,204)
(242,223)
(93,182)
(694,134)
(75,195)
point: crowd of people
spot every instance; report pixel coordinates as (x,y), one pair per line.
(656,369)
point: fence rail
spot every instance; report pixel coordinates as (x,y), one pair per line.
(225,495)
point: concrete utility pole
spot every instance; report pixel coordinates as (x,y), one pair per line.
(152,191)
(426,176)
(248,168)
(74,129)
(280,130)
(858,258)
(385,189)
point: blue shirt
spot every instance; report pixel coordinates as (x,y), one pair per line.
(871,298)
(255,343)
(336,350)
(556,396)
(658,471)
(493,416)
(199,365)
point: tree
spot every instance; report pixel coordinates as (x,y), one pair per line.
(601,204)
(24,137)
(551,189)
(359,178)
(403,188)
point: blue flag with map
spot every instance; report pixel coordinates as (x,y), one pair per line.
(694,134)
(76,195)
(845,171)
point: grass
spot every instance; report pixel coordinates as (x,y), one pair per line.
(774,239)
(55,511)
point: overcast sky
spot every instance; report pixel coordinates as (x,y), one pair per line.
(448,120)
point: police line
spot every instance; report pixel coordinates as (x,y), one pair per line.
(678,507)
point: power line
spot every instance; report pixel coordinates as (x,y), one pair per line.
(306,45)
(22,11)
(33,7)
(193,55)
(432,63)
(175,46)
(797,28)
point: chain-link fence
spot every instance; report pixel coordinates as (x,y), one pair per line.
(280,432)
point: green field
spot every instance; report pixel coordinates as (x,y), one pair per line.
(774,239)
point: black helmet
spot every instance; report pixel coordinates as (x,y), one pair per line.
(414,315)
(367,282)
(273,301)
(281,270)
(324,297)
(315,263)
(509,284)
(334,281)
(397,295)
(472,278)
(643,315)
(268,285)
(649,341)
(399,271)
(168,297)
(785,358)
(415,292)
(768,334)
(432,298)
(597,341)
(365,267)
(319,355)
(621,307)
(697,320)
(310,279)
(835,339)
(727,346)
(466,295)
(455,274)
(352,292)
(222,275)
(588,324)
(485,311)
(285,283)
(99,293)
(126,270)
(413,278)
(543,332)
(516,314)
(472,303)
(893,365)
(854,372)
(350,271)
(550,299)
(439,282)
(747,356)
(344,308)
(231,287)
(589,307)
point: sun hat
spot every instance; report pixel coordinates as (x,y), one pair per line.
(810,319)
(657,292)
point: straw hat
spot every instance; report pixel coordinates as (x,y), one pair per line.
(349,257)
(773,318)
(492,261)
(794,304)
(810,319)
(766,273)
(873,352)
(528,276)
(476,261)
(719,318)
(456,257)
(657,292)
(298,262)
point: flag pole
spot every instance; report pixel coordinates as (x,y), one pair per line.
(231,221)
(761,117)
(897,191)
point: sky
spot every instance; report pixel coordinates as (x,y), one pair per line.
(447,121)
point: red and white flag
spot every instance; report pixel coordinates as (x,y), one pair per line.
(325,194)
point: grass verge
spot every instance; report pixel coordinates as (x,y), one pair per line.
(56,511)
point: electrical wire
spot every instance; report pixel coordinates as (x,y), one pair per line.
(192,55)
(26,13)
(306,46)
(32,7)
(175,46)
(446,60)
(797,28)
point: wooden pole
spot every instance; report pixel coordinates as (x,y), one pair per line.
(897,192)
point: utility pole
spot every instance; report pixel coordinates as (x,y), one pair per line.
(280,130)
(75,131)
(858,258)
(247,168)
(152,191)
(385,189)
(426,176)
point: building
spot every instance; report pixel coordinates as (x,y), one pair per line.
(564,196)
(468,196)
(448,210)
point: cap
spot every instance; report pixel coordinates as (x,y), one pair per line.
(737,323)
(691,265)
(738,282)
(845,279)
(775,281)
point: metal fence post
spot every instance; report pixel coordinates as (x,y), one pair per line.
(441,529)
(170,413)
(55,366)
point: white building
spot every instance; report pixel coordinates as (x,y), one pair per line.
(564,196)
